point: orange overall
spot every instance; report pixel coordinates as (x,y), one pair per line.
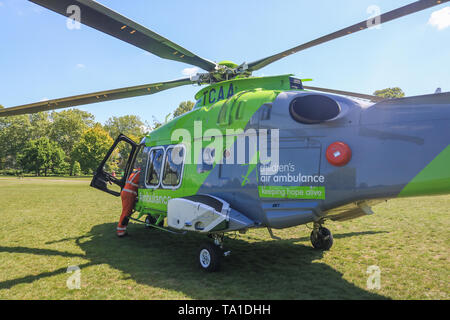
(128,195)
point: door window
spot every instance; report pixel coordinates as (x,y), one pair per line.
(116,166)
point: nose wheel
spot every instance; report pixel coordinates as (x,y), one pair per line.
(321,238)
(210,254)
(209,257)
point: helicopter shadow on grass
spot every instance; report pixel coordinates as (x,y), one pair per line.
(258,270)
(263,269)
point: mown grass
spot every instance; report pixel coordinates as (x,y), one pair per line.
(50,224)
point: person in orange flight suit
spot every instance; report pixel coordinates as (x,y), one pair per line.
(128,196)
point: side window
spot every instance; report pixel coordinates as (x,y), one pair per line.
(173,166)
(155,161)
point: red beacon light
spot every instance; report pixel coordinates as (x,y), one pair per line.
(338,154)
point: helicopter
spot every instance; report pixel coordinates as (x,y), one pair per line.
(264,152)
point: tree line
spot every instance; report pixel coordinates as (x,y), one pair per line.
(68,142)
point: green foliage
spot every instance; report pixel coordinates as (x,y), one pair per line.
(65,132)
(10,172)
(184,107)
(129,125)
(390,93)
(68,126)
(56,141)
(64,128)
(76,169)
(14,133)
(40,125)
(92,148)
(42,155)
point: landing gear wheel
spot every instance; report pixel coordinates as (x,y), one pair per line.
(209,256)
(321,239)
(152,220)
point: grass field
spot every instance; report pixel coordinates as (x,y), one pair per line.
(48,225)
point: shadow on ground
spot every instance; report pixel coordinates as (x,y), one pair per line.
(258,270)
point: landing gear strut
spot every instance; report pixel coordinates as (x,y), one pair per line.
(321,237)
(210,254)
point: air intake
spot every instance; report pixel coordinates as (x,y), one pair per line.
(313,109)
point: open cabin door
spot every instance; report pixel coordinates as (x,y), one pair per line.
(115,168)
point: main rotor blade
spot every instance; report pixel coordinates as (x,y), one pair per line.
(97,16)
(385,17)
(95,97)
(346,93)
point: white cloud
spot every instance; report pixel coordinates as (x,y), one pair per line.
(190,71)
(81,66)
(440,18)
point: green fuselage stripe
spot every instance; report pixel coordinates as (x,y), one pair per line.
(433,179)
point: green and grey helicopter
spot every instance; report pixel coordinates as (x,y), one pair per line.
(265,152)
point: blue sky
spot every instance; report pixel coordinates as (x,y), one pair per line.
(41,59)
